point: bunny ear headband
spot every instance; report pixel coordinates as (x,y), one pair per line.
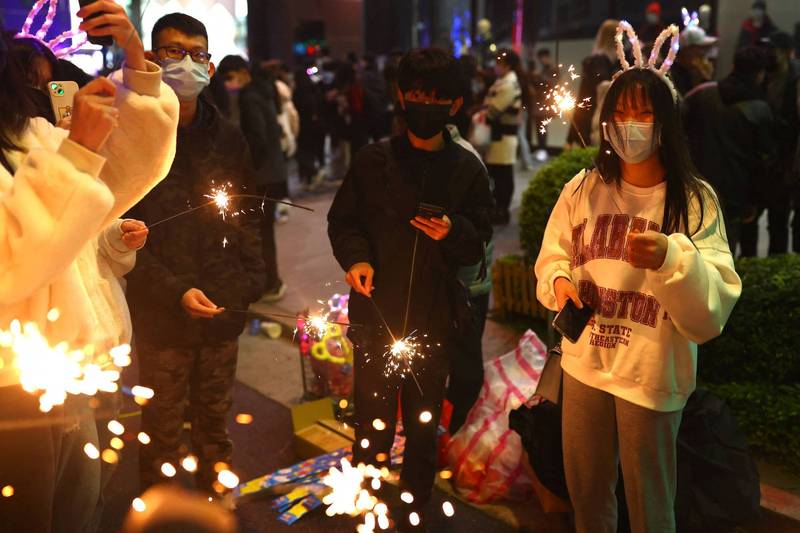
(56,45)
(638,61)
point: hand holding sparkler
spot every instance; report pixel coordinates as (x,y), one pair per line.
(354,275)
(198,305)
(134,233)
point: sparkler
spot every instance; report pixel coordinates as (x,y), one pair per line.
(401,352)
(349,495)
(560,100)
(221,198)
(56,371)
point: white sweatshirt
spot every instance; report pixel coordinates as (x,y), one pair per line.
(641,344)
(59,200)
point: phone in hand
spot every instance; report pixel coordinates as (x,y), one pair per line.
(62,97)
(430,210)
(571,321)
(101,40)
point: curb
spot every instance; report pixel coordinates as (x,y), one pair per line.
(783,506)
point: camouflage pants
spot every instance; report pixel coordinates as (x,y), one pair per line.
(200,378)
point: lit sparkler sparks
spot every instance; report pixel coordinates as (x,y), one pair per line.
(316,325)
(560,100)
(221,198)
(400,358)
(349,495)
(55,371)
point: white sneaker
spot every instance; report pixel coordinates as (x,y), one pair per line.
(541,155)
(276,295)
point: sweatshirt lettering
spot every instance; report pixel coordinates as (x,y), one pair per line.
(624,305)
(608,239)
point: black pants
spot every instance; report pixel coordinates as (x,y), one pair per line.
(376,397)
(268,245)
(310,152)
(778,227)
(503,178)
(466,366)
(748,236)
(29,442)
(200,377)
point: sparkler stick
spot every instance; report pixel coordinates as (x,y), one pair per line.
(256,314)
(221,200)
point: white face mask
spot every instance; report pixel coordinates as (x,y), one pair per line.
(632,141)
(186,77)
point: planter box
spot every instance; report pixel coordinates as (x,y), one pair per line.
(514,288)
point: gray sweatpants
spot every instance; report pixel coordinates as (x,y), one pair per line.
(600,431)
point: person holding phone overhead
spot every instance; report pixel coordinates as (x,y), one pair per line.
(59,190)
(641,240)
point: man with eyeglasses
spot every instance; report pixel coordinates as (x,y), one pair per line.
(193,268)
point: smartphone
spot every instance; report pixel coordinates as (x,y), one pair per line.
(571,321)
(62,96)
(102,40)
(430,210)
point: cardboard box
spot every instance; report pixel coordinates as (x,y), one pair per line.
(316,432)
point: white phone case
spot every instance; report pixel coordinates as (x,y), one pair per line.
(62,96)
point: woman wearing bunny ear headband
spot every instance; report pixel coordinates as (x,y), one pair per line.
(641,241)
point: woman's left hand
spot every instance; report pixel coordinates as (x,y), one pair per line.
(113,20)
(435,228)
(134,233)
(647,250)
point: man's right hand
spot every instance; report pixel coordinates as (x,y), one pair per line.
(198,305)
(354,275)
(565,290)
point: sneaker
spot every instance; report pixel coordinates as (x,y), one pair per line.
(276,294)
(319,178)
(541,155)
(282,211)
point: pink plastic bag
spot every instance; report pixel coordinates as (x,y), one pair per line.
(485,455)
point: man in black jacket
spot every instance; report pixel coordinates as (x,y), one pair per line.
(259,106)
(380,231)
(728,127)
(192,269)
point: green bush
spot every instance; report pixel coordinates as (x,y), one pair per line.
(769,415)
(761,342)
(542,193)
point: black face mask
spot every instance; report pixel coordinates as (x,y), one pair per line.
(426,120)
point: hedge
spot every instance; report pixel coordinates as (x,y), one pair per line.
(769,415)
(761,342)
(542,193)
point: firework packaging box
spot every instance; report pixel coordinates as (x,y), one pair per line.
(300,510)
(284,503)
(315,430)
(308,471)
(320,438)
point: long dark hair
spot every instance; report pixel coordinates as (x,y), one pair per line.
(508,57)
(16,105)
(683,179)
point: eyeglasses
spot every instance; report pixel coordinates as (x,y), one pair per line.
(178,53)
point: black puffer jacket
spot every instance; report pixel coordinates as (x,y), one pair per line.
(221,257)
(369,222)
(728,127)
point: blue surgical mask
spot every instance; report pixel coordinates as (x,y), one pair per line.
(632,141)
(186,77)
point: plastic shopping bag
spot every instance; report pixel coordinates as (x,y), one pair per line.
(486,456)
